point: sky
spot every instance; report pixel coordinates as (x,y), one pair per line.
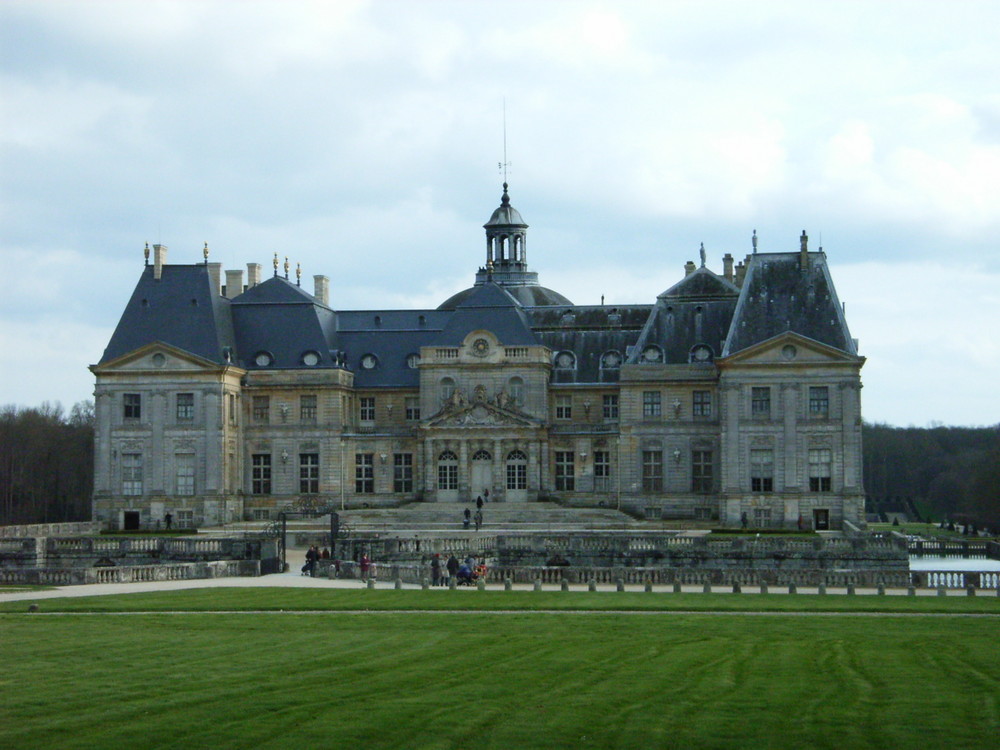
(362,141)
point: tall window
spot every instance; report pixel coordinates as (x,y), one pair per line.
(565,471)
(131,473)
(564,407)
(820,469)
(308,473)
(517,471)
(261,409)
(760,401)
(602,471)
(307,409)
(701,471)
(446,389)
(516,388)
(447,471)
(652,471)
(184,463)
(651,403)
(185,407)
(412,409)
(366,408)
(402,472)
(132,406)
(762,470)
(701,404)
(364,473)
(233,418)
(611,406)
(260,473)
(819,401)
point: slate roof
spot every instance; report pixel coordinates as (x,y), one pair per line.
(778,296)
(180,309)
(492,308)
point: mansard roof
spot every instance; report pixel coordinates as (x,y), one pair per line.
(701,283)
(181,309)
(488,307)
(781,293)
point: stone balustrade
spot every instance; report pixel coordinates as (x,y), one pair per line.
(130,573)
(69,528)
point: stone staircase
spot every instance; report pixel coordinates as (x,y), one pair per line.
(497,518)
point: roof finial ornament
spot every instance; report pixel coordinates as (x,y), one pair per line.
(287,266)
(275,264)
(489,269)
(205,253)
(753,241)
(298,274)
(701,252)
(146,253)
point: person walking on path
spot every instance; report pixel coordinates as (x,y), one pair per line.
(312,555)
(479,503)
(479,518)
(467,518)
(452,566)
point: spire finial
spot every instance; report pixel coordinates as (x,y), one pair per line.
(146,253)
(753,241)
(502,166)
(298,274)
(275,264)
(287,266)
(205,252)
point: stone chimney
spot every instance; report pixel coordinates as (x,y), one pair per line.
(741,272)
(159,260)
(727,267)
(689,268)
(253,275)
(804,251)
(321,285)
(215,275)
(234,283)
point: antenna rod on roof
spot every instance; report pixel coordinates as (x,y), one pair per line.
(504,164)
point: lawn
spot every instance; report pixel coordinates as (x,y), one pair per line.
(480,679)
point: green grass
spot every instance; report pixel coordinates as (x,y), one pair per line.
(263,598)
(482,680)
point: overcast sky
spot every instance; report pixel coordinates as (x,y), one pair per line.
(361,139)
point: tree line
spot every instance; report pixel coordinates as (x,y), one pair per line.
(945,473)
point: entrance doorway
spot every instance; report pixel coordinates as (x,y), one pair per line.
(481,476)
(130,520)
(447,484)
(517,477)
(821,519)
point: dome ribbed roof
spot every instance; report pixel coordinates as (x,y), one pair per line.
(506,215)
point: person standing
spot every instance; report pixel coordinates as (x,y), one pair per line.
(479,518)
(467,516)
(479,503)
(365,564)
(436,570)
(312,555)
(452,566)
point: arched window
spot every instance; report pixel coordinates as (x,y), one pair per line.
(447,471)
(482,455)
(565,361)
(515,386)
(446,389)
(651,354)
(517,470)
(611,360)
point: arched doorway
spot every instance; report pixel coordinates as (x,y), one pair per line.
(517,477)
(447,485)
(481,476)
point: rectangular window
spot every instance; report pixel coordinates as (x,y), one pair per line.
(565,470)
(517,475)
(262,409)
(819,401)
(761,518)
(402,472)
(364,473)
(701,404)
(260,473)
(366,410)
(185,407)
(762,470)
(261,514)
(651,403)
(307,409)
(652,471)
(820,469)
(232,409)
(611,406)
(132,406)
(185,519)
(701,471)
(412,409)
(131,473)
(308,473)
(447,474)
(564,407)
(185,473)
(760,401)
(602,471)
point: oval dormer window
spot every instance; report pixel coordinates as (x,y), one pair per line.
(611,360)
(263,359)
(310,359)
(565,361)
(413,361)
(652,354)
(369,361)
(701,353)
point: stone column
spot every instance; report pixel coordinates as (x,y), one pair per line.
(498,489)
(790,443)
(730,447)
(464,471)
(158,458)
(214,475)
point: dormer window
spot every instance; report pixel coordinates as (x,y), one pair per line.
(652,354)
(565,361)
(369,361)
(263,359)
(611,360)
(310,359)
(701,353)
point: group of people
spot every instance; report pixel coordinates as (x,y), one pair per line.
(313,555)
(476,518)
(464,573)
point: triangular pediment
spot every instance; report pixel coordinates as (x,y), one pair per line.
(790,348)
(159,357)
(480,412)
